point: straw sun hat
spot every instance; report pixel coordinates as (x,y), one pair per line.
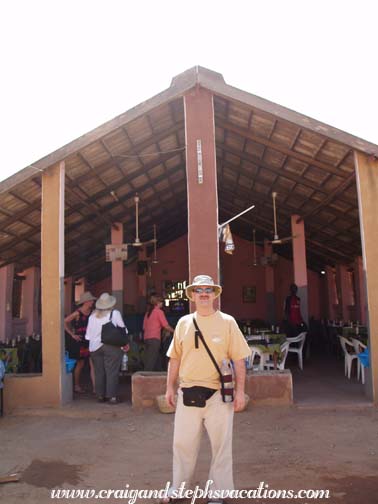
(203,281)
(105,301)
(84,297)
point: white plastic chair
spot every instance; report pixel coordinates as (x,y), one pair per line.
(349,355)
(358,348)
(301,338)
(269,364)
(255,351)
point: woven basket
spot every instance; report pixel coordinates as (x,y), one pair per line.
(163,406)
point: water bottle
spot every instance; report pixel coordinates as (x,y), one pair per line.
(124,364)
(228,383)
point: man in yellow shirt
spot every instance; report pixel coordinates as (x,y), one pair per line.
(191,363)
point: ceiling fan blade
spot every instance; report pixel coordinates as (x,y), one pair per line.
(281,241)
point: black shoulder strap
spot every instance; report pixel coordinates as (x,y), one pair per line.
(111,314)
(199,333)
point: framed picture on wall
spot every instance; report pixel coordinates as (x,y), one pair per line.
(249,294)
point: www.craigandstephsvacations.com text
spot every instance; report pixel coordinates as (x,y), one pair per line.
(131,495)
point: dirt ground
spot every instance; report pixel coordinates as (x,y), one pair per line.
(97,446)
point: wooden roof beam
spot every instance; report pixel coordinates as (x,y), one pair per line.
(285,193)
(282,173)
(341,188)
(244,132)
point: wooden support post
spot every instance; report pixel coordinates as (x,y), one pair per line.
(6,292)
(359,279)
(30,299)
(300,263)
(344,290)
(203,246)
(68,292)
(269,285)
(331,292)
(117,266)
(367,191)
(57,382)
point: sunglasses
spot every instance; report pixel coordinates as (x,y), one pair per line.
(200,290)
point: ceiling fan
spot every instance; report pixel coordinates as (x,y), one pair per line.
(277,240)
(137,242)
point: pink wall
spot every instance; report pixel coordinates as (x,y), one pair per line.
(284,276)
(130,282)
(236,271)
(173,264)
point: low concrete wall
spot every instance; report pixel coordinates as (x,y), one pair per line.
(145,386)
(269,388)
(273,388)
(34,391)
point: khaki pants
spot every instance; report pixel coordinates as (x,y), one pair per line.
(217,418)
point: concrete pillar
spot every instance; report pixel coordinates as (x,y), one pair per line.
(269,286)
(331,292)
(68,291)
(202,190)
(117,266)
(359,279)
(30,299)
(367,192)
(300,263)
(142,282)
(6,293)
(80,287)
(342,280)
(58,384)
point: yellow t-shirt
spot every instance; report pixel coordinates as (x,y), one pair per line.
(224,339)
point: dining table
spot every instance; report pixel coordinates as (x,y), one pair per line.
(269,344)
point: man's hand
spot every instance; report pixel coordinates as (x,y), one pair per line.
(76,337)
(239,400)
(170,396)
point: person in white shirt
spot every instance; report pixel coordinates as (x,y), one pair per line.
(106,358)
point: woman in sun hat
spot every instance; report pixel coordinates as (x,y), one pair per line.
(106,358)
(75,326)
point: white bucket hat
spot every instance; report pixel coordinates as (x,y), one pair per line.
(84,297)
(203,281)
(105,301)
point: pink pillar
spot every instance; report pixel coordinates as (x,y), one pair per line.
(359,278)
(269,286)
(117,266)
(202,190)
(300,263)
(80,287)
(68,286)
(331,293)
(342,279)
(142,282)
(6,293)
(30,299)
